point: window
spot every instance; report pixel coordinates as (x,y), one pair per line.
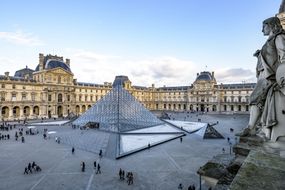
(33,96)
(59,98)
(49,97)
(2,85)
(85,98)
(232,107)
(91,98)
(68,97)
(24,96)
(14,96)
(2,96)
(164,106)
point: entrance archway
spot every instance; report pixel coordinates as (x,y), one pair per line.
(77,110)
(36,110)
(5,112)
(202,106)
(83,108)
(59,111)
(16,111)
(26,111)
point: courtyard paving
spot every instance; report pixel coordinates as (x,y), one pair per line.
(160,167)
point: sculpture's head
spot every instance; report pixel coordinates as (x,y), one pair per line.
(271,25)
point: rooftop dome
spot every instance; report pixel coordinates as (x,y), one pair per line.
(119,80)
(51,64)
(54,63)
(204,76)
(24,72)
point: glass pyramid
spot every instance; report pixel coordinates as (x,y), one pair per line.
(118,111)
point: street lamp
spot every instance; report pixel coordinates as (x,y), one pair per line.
(200,180)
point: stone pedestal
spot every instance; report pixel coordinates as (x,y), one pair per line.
(260,171)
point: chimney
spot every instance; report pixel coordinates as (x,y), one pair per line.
(41,61)
(152,85)
(67,62)
(213,74)
(74,81)
(7,74)
(197,74)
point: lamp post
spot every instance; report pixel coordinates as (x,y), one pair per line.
(200,180)
(230,143)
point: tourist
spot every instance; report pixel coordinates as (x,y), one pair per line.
(38,168)
(82,166)
(123,175)
(26,170)
(94,164)
(100,153)
(131,178)
(30,167)
(23,139)
(181,139)
(33,165)
(98,169)
(120,173)
(180,186)
(223,151)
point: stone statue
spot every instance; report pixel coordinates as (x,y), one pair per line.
(268,99)
(282,7)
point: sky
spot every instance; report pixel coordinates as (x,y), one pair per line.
(161,42)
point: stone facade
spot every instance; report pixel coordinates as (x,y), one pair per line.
(52,91)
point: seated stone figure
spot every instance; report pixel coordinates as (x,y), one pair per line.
(266,99)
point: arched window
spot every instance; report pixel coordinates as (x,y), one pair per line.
(59,98)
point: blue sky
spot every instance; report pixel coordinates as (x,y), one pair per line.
(165,42)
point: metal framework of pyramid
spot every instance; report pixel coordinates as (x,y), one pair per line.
(118,111)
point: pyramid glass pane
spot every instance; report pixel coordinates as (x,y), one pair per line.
(118,111)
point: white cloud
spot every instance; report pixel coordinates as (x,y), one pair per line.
(21,38)
(93,67)
(234,75)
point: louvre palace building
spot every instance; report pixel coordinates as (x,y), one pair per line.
(52,91)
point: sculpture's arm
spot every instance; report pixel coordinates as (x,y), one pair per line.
(280,46)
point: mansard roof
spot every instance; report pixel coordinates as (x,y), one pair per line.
(205,75)
(237,86)
(52,62)
(23,72)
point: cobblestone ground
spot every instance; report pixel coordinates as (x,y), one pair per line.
(161,167)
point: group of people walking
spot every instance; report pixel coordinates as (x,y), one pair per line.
(97,167)
(32,167)
(191,187)
(129,176)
